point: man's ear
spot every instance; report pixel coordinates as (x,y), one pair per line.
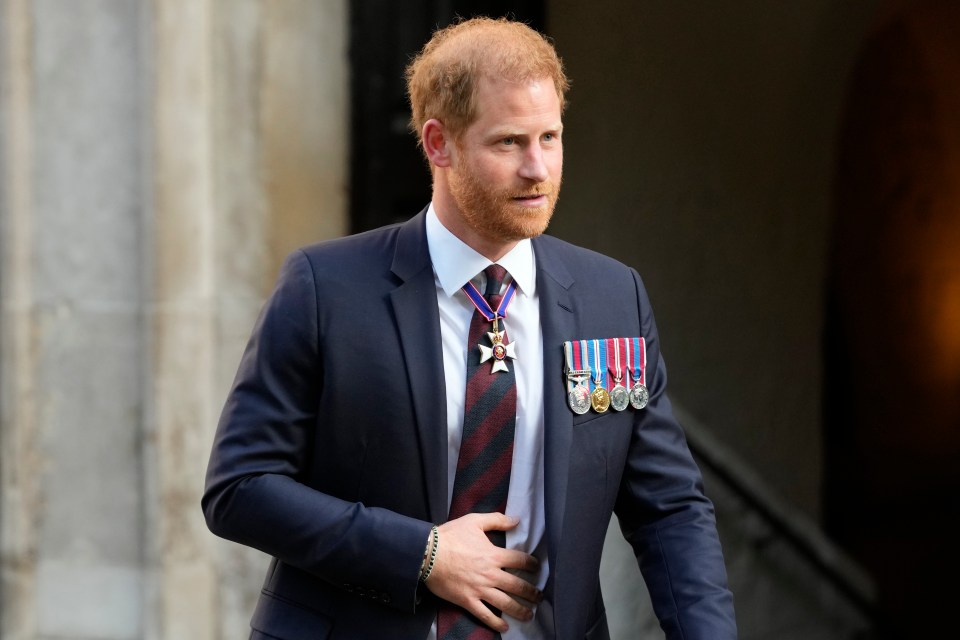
(436,143)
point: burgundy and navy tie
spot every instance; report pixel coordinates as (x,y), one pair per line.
(486,450)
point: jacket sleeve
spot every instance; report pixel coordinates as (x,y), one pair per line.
(255,492)
(666,517)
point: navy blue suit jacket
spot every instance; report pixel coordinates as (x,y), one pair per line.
(331,455)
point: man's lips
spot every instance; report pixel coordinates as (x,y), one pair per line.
(532,198)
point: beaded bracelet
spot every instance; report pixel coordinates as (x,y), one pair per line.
(425,573)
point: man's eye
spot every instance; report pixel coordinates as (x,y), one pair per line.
(509,141)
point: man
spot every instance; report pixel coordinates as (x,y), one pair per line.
(424,460)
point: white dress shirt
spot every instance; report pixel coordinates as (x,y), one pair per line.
(454,264)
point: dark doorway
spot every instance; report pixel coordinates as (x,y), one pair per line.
(389,179)
(892,397)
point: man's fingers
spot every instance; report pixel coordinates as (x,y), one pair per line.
(470,570)
(511,559)
(509,606)
(515,586)
(487,617)
(496,521)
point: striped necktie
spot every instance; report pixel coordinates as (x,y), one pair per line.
(486,450)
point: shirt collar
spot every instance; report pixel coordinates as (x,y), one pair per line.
(455,263)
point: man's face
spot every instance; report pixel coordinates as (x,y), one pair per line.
(506,173)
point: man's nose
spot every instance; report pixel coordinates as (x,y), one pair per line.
(533,167)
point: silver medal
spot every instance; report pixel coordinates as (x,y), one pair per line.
(639,396)
(579,399)
(578,396)
(619,397)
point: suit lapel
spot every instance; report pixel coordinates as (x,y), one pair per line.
(557,320)
(418,323)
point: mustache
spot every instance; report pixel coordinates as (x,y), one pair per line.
(543,189)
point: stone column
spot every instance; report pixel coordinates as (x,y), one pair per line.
(72,337)
(17,354)
(250,153)
(157,161)
(181,319)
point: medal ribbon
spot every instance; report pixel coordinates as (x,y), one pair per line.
(484,307)
(614,366)
(598,355)
(579,361)
(580,357)
(639,369)
(572,350)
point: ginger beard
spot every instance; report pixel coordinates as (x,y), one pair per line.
(496,213)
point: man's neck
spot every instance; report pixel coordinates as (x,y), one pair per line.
(490,249)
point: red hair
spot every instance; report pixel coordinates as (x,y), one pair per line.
(442,80)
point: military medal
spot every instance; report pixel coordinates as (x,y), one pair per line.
(619,396)
(592,365)
(600,400)
(599,397)
(639,395)
(499,350)
(578,395)
(579,398)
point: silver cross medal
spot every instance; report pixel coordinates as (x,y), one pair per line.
(499,351)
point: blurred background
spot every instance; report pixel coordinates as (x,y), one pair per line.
(784,175)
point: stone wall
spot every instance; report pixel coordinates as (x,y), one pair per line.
(159,159)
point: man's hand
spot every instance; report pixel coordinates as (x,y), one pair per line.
(469,570)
